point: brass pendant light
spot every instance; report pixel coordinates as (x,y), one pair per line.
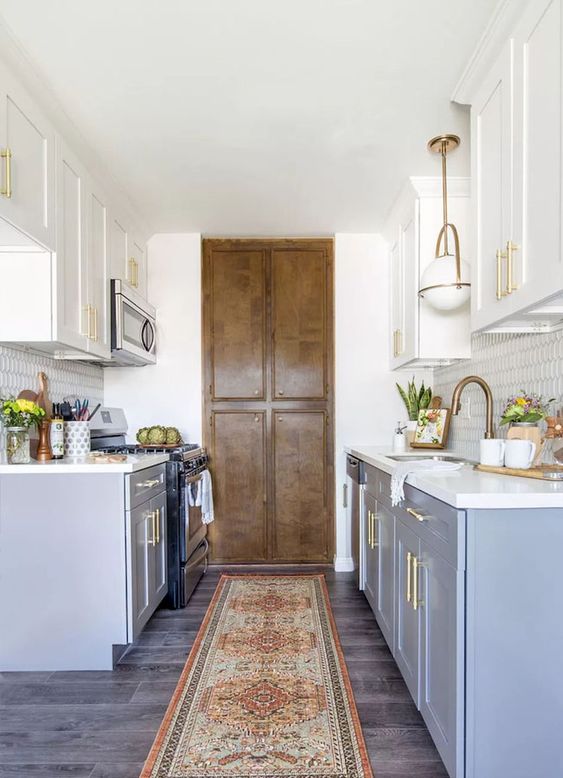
(445,282)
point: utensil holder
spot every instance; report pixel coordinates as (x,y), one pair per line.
(77,439)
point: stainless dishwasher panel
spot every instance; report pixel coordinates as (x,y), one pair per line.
(356,476)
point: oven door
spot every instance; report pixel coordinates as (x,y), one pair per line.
(133,337)
(193,529)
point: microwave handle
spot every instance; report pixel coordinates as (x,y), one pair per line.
(147,335)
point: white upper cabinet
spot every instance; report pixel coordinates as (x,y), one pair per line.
(61,227)
(493,172)
(137,267)
(516,108)
(128,255)
(27,149)
(98,274)
(71,316)
(420,335)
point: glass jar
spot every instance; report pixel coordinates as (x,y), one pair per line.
(17,445)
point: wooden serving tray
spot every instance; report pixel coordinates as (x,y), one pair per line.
(538,471)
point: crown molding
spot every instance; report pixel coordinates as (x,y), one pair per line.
(498,31)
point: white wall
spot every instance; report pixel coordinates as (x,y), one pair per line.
(367,404)
(169,392)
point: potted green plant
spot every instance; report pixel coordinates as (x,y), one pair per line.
(17,417)
(415,400)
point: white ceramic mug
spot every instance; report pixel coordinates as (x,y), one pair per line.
(519,453)
(491,452)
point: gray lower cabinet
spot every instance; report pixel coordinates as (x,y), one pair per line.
(147,561)
(407,608)
(379,556)
(415,584)
(476,628)
(442,661)
(385,572)
(370,551)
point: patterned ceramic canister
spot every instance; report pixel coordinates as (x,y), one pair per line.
(77,438)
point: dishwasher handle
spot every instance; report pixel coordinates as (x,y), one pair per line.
(355,469)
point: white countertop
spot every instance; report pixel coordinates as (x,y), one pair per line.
(466,487)
(133,463)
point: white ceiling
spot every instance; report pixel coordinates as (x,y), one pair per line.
(257,116)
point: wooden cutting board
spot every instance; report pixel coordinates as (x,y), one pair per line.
(539,471)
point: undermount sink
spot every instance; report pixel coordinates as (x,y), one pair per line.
(435,457)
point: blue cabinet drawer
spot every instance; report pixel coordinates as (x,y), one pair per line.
(436,523)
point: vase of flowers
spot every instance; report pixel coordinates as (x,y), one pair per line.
(523,412)
(17,417)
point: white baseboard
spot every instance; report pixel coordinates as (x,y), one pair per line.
(343,564)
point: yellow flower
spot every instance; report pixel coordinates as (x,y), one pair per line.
(520,401)
(26,406)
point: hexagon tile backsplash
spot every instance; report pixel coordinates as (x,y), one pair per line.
(508,363)
(18,370)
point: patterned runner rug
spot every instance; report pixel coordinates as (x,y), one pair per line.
(265,692)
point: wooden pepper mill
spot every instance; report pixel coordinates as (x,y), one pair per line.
(44,446)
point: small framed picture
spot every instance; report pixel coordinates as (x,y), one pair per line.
(432,428)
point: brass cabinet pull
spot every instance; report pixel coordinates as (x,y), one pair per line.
(133,273)
(415,566)
(149,484)
(95,310)
(6,155)
(510,249)
(86,315)
(152,541)
(157,522)
(409,557)
(416,514)
(91,322)
(397,343)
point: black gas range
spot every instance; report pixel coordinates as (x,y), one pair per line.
(187,534)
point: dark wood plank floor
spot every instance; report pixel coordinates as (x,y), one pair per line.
(102,724)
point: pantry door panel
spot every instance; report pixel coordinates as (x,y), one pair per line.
(237,319)
(237,448)
(300,526)
(299,326)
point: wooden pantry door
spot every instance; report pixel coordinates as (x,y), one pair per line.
(268,398)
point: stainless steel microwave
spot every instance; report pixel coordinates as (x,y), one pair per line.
(133,327)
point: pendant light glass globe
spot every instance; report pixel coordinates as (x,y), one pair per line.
(437,287)
(445,283)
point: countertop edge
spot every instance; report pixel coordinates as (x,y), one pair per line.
(541,494)
(69,467)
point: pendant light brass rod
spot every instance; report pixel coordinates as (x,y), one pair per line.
(445,193)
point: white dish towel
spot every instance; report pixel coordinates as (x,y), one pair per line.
(402,470)
(202,497)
